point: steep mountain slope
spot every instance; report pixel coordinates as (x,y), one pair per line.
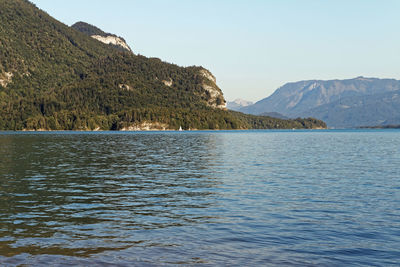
(50,71)
(341,103)
(356,111)
(274,115)
(55,77)
(107,38)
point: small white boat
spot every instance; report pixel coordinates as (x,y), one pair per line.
(180,128)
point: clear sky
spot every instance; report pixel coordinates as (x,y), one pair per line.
(253,46)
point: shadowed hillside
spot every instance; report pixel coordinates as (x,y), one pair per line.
(57,78)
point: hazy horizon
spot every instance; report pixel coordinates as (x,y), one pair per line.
(253,47)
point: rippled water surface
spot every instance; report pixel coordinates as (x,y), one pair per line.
(244,198)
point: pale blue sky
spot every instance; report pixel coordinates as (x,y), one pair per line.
(253,46)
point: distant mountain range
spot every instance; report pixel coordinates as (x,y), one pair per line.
(340,103)
(237,104)
(274,115)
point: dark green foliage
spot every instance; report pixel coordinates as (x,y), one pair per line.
(89,29)
(65,80)
(265,122)
(381,127)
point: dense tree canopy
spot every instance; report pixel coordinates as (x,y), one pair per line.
(57,78)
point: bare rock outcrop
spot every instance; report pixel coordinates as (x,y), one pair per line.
(6,78)
(214,93)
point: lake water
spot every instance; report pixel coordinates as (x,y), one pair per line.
(241,198)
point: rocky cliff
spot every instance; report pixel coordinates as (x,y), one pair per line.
(100,35)
(213,93)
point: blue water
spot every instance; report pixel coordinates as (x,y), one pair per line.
(241,198)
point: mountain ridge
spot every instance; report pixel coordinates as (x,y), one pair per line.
(314,97)
(54,77)
(98,34)
(238,103)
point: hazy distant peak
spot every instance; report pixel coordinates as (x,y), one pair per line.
(242,102)
(238,104)
(362,78)
(340,103)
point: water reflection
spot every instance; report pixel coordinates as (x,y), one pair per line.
(79,195)
(252,198)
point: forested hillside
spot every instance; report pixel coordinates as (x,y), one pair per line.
(54,77)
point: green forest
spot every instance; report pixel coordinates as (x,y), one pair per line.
(54,77)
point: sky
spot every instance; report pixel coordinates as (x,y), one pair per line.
(253,46)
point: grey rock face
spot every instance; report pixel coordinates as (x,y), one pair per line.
(340,103)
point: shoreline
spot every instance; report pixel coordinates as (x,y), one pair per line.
(166,130)
(194,130)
